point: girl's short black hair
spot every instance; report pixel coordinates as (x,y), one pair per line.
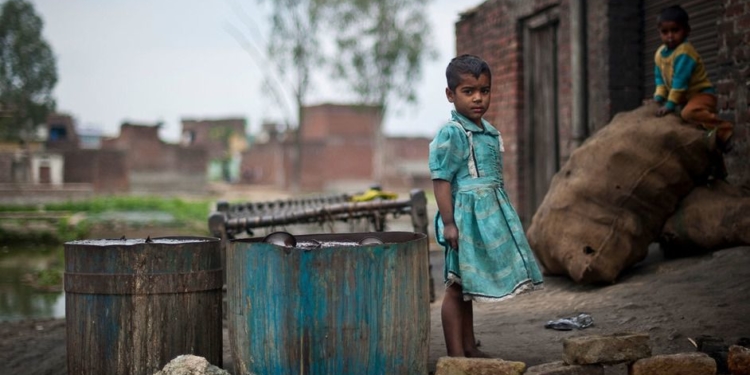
(465,64)
(676,14)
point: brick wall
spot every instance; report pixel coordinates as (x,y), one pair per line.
(598,64)
(111,174)
(493,31)
(214,135)
(57,121)
(145,149)
(6,167)
(732,83)
(342,121)
(263,164)
(406,160)
(105,170)
(338,146)
(625,67)
(337,154)
(156,166)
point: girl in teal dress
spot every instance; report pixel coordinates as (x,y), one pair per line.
(487,256)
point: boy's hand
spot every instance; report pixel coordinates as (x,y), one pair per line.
(663,110)
(450,233)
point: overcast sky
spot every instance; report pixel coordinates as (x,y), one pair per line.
(165,60)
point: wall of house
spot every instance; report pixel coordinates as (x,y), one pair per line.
(327,121)
(6,167)
(406,161)
(220,137)
(57,123)
(53,163)
(613,60)
(157,167)
(493,32)
(263,164)
(105,170)
(338,152)
(614,72)
(733,83)
(338,147)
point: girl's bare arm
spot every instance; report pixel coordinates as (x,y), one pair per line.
(444,200)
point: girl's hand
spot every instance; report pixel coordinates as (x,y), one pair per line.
(663,110)
(450,232)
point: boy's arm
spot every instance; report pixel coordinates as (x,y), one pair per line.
(660,95)
(444,200)
(684,65)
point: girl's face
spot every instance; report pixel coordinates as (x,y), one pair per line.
(472,97)
(672,33)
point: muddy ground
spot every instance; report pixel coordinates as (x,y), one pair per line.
(670,299)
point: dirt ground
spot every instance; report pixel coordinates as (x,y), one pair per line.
(670,299)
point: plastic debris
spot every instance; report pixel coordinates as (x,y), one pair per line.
(580,321)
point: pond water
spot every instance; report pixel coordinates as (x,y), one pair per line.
(18,300)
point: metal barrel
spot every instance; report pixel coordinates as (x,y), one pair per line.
(335,309)
(131,306)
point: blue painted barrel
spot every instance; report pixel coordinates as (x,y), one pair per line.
(328,305)
(131,306)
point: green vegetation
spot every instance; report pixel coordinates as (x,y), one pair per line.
(28,72)
(56,223)
(50,279)
(78,218)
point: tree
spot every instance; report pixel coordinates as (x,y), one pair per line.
(293,50)
(27,71)
(381,45)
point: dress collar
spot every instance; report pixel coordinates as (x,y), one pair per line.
(471,126)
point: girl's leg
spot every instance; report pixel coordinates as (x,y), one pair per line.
(452,316)
(469,340)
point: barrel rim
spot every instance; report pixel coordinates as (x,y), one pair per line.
(405,238)
(92,242)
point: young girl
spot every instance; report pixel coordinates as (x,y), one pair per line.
(487,257)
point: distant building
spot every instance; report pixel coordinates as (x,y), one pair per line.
(338,147)
(224,141)
(90,138)
(55,166)
(61,133)
(154,166)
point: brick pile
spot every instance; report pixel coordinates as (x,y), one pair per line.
(593,355)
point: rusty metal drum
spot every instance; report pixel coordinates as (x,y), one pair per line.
(133,305)
(329,304)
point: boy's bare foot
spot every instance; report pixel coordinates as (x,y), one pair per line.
(476,353)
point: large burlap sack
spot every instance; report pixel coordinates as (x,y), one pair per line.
(613,196)
(710,218)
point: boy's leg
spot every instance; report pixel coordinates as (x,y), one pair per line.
(452,313)
(701,110)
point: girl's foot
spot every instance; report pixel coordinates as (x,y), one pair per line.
(476,353)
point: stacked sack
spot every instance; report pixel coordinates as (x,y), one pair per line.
(615,193)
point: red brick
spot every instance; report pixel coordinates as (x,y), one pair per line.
(734,10)
(738,360)
(675,364)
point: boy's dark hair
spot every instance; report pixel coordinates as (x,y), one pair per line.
(465,64)
(676,14)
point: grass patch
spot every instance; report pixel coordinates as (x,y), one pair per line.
(191,214)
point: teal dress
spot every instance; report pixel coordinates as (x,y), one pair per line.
(494,260)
